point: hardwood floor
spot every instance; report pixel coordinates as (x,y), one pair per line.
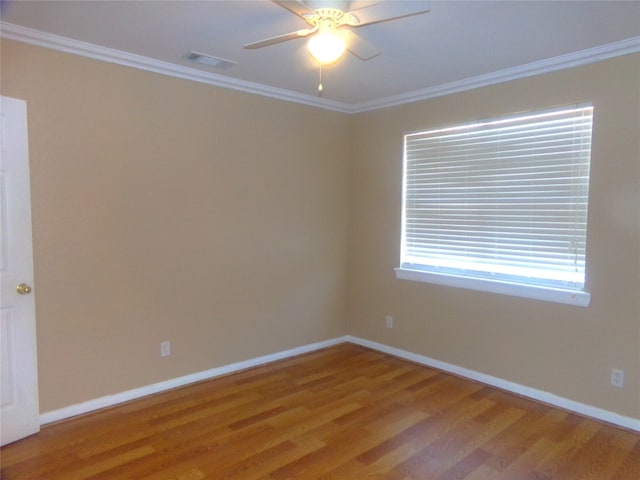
(345,413)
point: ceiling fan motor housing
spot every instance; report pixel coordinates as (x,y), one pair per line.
(330,17)
(342,5)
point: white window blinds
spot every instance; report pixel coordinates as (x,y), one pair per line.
(504,200)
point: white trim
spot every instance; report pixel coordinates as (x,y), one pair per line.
(64,44)
(568,297)
(111,400)
(119,57)
(533,393)
(570,60)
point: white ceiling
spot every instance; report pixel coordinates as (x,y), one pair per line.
(458,44)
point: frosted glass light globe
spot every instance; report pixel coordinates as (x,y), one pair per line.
(326,47)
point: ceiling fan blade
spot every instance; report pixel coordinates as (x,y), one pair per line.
(294,6)
(280,38)
(389,10)
(358,46)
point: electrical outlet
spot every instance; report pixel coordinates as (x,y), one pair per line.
(389,321)
(165,349)
(617,377)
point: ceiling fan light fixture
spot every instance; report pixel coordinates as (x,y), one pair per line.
(327,46)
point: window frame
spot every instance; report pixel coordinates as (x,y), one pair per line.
(459,279)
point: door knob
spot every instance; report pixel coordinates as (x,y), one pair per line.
(23,289)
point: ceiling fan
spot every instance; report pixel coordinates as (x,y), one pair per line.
(330,21)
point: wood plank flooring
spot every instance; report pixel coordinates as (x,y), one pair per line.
(344,413)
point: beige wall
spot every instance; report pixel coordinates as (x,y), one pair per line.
(563,349)
(165,209)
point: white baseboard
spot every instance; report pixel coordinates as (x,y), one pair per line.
(111,400)
(533,393)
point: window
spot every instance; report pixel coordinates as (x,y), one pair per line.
(500,205)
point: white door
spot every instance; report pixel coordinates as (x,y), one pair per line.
(19,412)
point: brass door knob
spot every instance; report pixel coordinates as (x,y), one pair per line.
(23,289)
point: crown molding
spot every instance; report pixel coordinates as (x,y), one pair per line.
(64,44)
(56,42)
(575,59)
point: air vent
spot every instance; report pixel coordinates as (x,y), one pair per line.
(209,60)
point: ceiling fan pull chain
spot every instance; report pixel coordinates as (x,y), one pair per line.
(320,87)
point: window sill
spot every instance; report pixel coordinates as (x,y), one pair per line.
(581,299)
